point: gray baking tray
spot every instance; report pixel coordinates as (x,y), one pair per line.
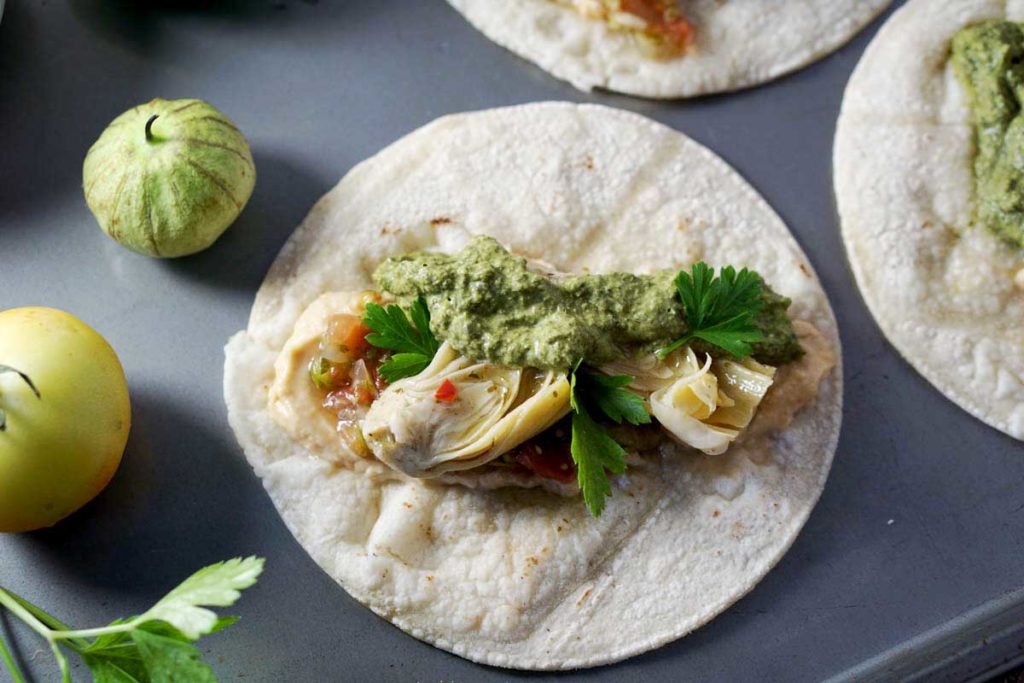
(912,564)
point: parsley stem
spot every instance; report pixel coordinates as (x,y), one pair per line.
(62,662)
(49,620)
(8,659)
(23,613)
(663,352)
(94,632)
(17,610)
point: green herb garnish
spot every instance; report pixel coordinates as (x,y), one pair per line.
(719,310)
(27,380)
(593,450)
(392,330)
(608,394)
(155,646)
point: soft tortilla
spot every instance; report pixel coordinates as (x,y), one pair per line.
(740,43)
(903,154)
(527,579)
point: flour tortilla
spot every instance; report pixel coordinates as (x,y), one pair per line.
(740,43)
(523,578)
(903,155)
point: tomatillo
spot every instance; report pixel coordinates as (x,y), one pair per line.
(64,416)
(168,177)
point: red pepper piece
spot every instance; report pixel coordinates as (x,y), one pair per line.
(446,392)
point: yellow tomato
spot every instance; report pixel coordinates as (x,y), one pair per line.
(59,449)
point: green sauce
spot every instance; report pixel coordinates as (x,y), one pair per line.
(489,304)
(988,59)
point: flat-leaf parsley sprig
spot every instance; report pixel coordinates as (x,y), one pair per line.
(719,310)
(593,450)
(412,340)
(154,647)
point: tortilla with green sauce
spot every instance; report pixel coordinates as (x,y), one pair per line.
(930,190)
(669,48)
(532,373)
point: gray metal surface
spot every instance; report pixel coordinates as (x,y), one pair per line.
(923,516)
(972,647)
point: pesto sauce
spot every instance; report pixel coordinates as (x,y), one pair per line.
(491,305)
(988,59)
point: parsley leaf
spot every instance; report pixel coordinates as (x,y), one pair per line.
(404,365)
(168,657)
(114,671)
(592,449)
(617,403)
(156,646)
(143,655)
(218,585)
(392,330)
(114,658)
(719,310)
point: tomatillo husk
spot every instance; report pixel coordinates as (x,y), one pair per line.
(167,178)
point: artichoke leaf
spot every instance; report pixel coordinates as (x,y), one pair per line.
(682,406)
(495,409)
(649,372)
(745,382)
(702,405)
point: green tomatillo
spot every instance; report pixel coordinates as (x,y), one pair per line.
(65,416)
(167,178)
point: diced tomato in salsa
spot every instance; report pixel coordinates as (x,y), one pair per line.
(663,21)
(356,381)
(338,375)
(365,393)
(349,333)
(548,454)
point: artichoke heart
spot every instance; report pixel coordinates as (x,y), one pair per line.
(495,409)
(704,406)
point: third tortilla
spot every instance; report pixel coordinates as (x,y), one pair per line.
(945,291)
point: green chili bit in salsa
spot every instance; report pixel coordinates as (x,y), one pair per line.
(493,305)
(988,59)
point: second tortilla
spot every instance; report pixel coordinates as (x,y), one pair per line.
(736,44)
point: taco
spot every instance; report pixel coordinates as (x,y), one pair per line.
(930,190)
(669,48)
(478,395)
